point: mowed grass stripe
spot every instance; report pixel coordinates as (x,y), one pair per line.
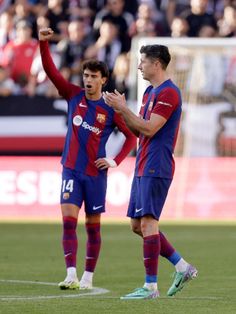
(32,252)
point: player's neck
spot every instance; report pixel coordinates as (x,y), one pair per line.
(158,80)
(93,97)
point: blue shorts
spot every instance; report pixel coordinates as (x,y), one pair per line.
(148,195)
(77,188)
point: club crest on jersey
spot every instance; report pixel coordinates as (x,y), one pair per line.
(101,117)
(66,196)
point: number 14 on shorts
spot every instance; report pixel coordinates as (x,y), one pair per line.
(67,186)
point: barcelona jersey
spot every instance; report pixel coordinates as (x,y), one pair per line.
(155,154)
(90,123)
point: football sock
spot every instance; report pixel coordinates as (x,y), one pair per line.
(93,246)
(174,257)
(181,266)
(166,248)
(87,276)
(69,241)
(150,286)
(151,251)
(71,272)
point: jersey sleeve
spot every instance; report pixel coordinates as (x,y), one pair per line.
(65,88)
(166,102)
(130,140)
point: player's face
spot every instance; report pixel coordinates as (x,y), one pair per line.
(93,82)
(147,67)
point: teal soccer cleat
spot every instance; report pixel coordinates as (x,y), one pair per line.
(181,278)
(141,293)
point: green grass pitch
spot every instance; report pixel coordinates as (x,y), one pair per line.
(31,255)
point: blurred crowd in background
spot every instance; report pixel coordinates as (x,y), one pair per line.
(85,29)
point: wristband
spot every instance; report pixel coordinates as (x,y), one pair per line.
(111,162)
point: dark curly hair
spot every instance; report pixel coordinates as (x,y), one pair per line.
(96,66)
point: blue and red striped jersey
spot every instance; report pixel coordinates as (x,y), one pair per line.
(155,154)
(90,123)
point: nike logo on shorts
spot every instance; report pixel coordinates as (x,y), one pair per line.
(137,210)
(97,207)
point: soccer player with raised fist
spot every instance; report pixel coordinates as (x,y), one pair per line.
(84,160)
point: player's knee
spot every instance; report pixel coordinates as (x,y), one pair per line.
(149,225)
(70,210)
(93,219)
(136,229)
(144,228)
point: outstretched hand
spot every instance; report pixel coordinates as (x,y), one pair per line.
(45,34)
(115,100)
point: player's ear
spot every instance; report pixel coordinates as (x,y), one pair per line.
(104,81)
(157,63)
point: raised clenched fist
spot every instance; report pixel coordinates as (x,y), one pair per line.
(45,34)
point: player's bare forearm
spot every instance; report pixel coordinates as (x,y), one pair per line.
(129,126)
(134,123)
(130,118)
